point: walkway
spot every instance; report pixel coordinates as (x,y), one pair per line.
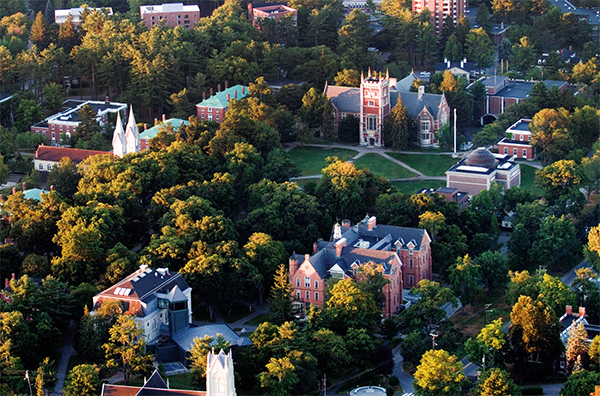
(67,352)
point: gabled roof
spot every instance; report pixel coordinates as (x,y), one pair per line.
(35,194)
(405,84)
(219,100)
(345,99)
(55,154)
(466,66)
(152,132)
(405,235)
(185,339)
(415,105)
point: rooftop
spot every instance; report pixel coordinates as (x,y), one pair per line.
(219,100)
(152,132)
(170,7)
(520,89)
(55,154)
(522,125)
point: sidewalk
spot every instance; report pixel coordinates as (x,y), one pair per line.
(67,352)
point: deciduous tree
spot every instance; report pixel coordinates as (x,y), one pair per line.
(83,380)
(439,374)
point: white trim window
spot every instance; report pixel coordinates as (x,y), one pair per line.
(307,281)
(371,123)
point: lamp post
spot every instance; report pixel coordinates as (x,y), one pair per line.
(487,306)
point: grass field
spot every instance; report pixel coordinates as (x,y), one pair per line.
(413,187)
(429,165)
(259,319)
(311,160)
(382,167)
(528,179)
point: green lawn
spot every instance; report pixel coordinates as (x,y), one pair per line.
(528,179)
(382,167)
(429,165)
(259,319)
(413,187)
(311,160)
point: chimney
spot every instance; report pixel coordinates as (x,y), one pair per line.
(235,94)
(13,276)
(346,223)
(448,63)
(339,245)
(6,283)
(211,92)
(155,121)
(164,118)
(337,231)
(462,63)
(445,60)
(14,190)
(421,91)
(243,90)
(52,187)
(145,127)
(581,312)
(306,257)
(293,264)
(315,247)
(203,96)
(24,187)
(107,100)
(372,222)
(218,87)
(226,84)
(569,310)
(227,98)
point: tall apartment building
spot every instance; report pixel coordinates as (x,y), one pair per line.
(174,14)
(439,9)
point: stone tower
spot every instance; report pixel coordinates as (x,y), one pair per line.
(374,106)
(219,375)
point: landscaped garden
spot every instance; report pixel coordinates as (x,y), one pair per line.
(380,166)
(311,160)
(429,165)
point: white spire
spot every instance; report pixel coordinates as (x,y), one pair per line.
(118,141)
(132,135)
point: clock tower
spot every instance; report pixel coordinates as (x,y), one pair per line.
(374,107)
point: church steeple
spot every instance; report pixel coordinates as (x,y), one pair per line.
(118,141)
(219,374)
(132,134)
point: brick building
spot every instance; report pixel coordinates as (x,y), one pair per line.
(403,255)
(215,107)
(274,11)
(480,169)
(173,14)
(517,141)
(150,133)
(68,120)
(439,9)
(375,98)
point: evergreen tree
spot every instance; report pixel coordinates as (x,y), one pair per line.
(67,37)
(281,295)
(88,125)
(453,50)
(396,128)
(577,348)
(39,31)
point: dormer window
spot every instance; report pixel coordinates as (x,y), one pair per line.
(163,304)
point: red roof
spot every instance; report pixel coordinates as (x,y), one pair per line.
(55,154)
(123,390)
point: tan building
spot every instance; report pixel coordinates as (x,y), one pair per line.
(173,14)
(480,169)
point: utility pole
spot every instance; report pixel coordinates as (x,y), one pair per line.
(433,337)
(454,132)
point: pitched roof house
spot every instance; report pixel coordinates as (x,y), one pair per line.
(48,156)
(215,107)
(402,254)
(375,98)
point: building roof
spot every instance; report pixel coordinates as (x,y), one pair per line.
(155,386)
(55,154)
(71,114)
(185,338)
(415,105)
(514,142)
(466,66)
(522,126)
(142,286)
(406,83)
(592,15)
(61,15)
(4,96)
(170,7)
(521,89)
(273,8)
(219,100)
(481,163)
(345,99)
(35,194)
(152,132)
(481,157)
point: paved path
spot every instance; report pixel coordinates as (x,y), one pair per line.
(67,352)
(406,380)
(253,312)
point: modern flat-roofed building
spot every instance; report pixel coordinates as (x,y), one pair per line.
(439,9)
(173,14)
(517,141)
(60,16)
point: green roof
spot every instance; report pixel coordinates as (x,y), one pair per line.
(219,100)
(34,193)
(152,132)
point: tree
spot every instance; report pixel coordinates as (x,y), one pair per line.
(279,378)
(557,246)
(559,179)
(555,294)
(396,130)
(348,129)
(313,110)
(577,348)
(594,353)
(523,55)
(39,31)
(88,125)
(126,348)
(67,37)
(349,307)
(83,380)
(439,374)
(281,295)
(483,18)
(479,47)
(496,382)
(453,51)
(581,383)
(65,177)
(199,352)
(504,49)
(53,98)
(354,37)
(4,172)
(265,255)
(586,124)
(490,345)
(550,133)
(347,78)
(592,249)
(330,350)
(494,270)
(465,278)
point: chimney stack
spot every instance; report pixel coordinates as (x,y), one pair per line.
(448,63)
(203,96)
(218,87)
(226,84)
(346,223)
(107,100)
(24,187)
(243,90)
(211,92)
(421,91)
(52,187)
(145,127)
(581,312)
(315,248)
(235,94)
(227,98)
(569,310)
(6,283)
(293,264)
(155,121)
(339,245)
(13,276)
(14,190)
(372,223)
(164,118)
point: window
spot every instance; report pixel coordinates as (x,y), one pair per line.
(307,281)
(209,109)
(53,136)
(562,365)
(515,152)
(41,167)
(308,295)
(317,296)
(411,280)
(425,125)
(410,263)
(52,126)
(298,294)
(217,116)
(371,123)
(38,132)
(210,117)
(316,284)
(163,304)
(371,103)
(505,150)
(178,16)
(202,115)
(48,167)
(521,137)
(297,282)
(524,153)
(152,18)
(185,17)
(529,138)
(410,251)
(60,128)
